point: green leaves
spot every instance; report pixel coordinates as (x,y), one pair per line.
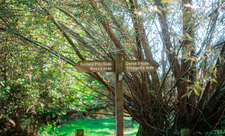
(196,92)
(192,87)
(186,94)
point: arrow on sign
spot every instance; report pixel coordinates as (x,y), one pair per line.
(109,66)
(139,66)
(95,66)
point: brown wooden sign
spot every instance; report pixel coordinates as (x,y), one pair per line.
(139,66)
(108,66)
(95,66)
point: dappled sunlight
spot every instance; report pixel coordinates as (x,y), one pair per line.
(108,123)
(93,127)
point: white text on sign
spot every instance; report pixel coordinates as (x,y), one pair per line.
(95,66)
(139,66)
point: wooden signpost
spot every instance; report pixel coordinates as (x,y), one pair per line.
(118,67)
(119,96)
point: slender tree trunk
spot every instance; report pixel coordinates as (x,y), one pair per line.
(35,125)
(18,128)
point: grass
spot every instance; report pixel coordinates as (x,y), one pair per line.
(92,127)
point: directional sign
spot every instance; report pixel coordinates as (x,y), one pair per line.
(121,66)
(139,66)
(95,66)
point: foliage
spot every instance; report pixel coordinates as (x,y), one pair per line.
(31,84)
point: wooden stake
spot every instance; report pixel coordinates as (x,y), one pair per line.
(119,96)
(185,132)
(79,132)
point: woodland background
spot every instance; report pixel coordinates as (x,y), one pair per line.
(42,40)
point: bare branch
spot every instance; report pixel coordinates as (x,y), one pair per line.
(166,41)
(87,32)
(110,32)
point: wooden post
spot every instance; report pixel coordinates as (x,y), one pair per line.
(119,95)
(185,132)
(79,132)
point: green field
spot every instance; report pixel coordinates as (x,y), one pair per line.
(92,127)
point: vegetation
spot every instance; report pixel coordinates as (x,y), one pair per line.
(36,90)
(91,127)
(185,37)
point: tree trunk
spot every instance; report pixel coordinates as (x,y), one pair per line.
(17,122)
(145,130)
(35,125)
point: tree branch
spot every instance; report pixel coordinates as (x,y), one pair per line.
(110,32)
(166,41)
(62,30)
(87,32)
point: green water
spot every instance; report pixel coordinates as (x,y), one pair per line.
(92,127)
